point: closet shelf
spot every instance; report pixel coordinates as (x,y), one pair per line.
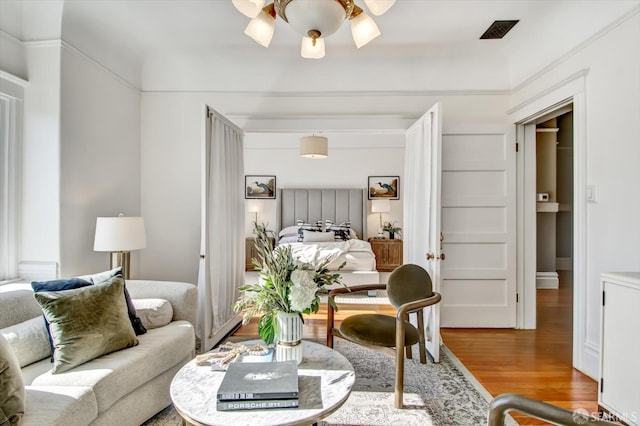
(547,129)
(546,207)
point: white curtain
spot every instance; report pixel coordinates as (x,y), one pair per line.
(222,244)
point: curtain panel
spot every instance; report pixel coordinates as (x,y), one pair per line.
(222,244)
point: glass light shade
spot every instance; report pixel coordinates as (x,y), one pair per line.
(325,16)
(363,29)
(314,147)
(121,233)
(377,7)
(308,50)
(249,8)
(261,28)
(380,206)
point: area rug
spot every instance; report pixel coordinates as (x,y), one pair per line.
(435,394)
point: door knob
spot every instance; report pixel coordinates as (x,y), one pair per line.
(430,256)
(442,256)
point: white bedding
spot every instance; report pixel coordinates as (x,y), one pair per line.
(357,254)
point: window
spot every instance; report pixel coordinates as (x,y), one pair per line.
(11,95)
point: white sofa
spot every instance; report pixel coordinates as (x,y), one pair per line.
(125,387)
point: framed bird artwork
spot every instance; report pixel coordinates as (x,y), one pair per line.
(259,186)
(384,187)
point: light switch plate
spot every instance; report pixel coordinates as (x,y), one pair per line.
(592,193)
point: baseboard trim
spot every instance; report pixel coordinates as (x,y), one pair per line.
(547,280)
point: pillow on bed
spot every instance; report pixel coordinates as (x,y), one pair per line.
(316,237)
(342,231)
(302,226)
(288,231)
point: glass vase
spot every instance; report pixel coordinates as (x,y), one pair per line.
(289,337)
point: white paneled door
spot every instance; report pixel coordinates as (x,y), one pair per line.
(478,277)
(422,211)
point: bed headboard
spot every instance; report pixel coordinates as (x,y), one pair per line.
(312,204)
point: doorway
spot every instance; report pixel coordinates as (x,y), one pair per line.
(584,352)
(554,225)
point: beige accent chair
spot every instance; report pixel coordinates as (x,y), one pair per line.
(409,289)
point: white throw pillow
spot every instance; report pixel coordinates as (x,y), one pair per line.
(29,340)
(154,313)
(288,231)
(316,237)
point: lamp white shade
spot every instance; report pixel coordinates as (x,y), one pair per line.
(120,233)
(314,147)
(310,50)
(377,7)
(363,29)
(249,8)
(261,28)
(380,206)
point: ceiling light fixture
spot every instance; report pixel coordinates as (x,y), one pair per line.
(313,19)
(314,147)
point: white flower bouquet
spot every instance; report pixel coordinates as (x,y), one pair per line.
(286,285)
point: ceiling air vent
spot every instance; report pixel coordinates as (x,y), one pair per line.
(498,29)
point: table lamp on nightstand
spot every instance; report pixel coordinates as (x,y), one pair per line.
(380,206)
(119,235)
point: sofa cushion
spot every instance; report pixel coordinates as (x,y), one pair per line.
(12,394)
(87,322)
(17,304)
(100,277)
(114,375)
(153,313)
(60,406)
(29,340)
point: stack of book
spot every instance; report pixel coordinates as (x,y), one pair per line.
(259,385)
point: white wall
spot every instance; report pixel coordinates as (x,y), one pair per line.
(613,153)
(99,159)
(40,220)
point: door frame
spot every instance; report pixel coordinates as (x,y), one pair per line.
(570,90)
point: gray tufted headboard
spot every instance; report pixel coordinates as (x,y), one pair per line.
(312,204)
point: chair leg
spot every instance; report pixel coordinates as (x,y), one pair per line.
(407,349)
(421,337)
(330,321)
(399,386)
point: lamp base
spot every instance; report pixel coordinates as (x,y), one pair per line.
(121,258)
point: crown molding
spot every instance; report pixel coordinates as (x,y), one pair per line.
(337,94)
(80,53)
(624,18)
(13,79)
(43,43)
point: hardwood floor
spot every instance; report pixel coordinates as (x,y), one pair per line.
(534,363)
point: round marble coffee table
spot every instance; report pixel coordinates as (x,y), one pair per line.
(325,378)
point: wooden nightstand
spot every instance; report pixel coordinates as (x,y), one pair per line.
(388,253)
(251,252)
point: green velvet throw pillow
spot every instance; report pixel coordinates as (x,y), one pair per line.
(12,394)
(87,322)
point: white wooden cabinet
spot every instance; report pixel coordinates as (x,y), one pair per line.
(619,392)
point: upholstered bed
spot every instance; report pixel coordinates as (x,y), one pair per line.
(344,209)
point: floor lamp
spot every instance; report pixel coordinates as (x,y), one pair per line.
(119,235)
